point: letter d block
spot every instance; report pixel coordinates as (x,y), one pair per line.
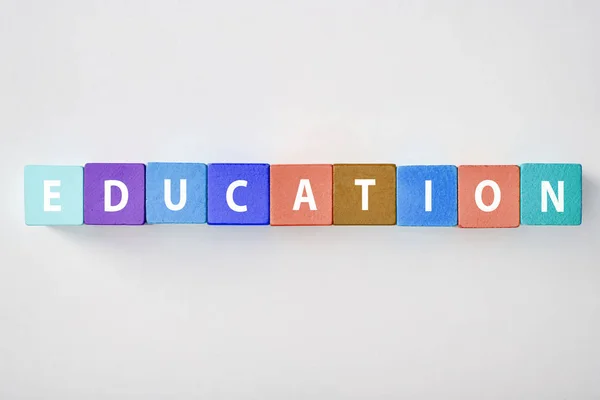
(488,196)
(53,195)
(238,194)
(175,193)
(551,194)
(114,194)
(364,194)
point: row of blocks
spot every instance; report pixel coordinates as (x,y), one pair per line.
(472,196)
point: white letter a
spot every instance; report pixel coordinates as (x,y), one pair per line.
(309,198)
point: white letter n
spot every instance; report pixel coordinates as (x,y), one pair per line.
(558,202)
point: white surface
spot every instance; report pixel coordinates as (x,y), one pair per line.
(202,312)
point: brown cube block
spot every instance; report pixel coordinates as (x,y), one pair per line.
(364,194)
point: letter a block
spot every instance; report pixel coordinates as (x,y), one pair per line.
(301,194)
(176,193)
(488,196)
(364,194)
(53,195)
(427,195)
(238,194)
(114,194)
(551,194)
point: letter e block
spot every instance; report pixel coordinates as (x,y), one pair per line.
(114,194)
(53,195)
(551,194)
(488,196)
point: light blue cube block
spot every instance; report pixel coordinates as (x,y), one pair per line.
(53,195)
(427,195)
(176,193)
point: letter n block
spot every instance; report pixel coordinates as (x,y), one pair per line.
(176,193)
(53,195)
(238,194)
(114,194)
(301,194)
(364,194)
(551,194)
(488,196)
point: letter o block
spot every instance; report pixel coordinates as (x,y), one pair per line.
(301,194)
(488,196)
(114,194)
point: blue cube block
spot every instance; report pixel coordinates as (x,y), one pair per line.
(176,193)
(238,194)
(53,195)
(427,195)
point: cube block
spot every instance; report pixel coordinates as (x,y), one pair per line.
(364,194)
(238,194)
(427,195)
(53,195)
(551,194)
(176,193)
(488,196)
(114,194)
(301,194)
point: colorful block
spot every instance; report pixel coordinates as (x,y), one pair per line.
(427,195)
(551,194)
(238,194)
(488,196)
(114,194)
(176,193)
(364,194)
(301,194)
(53,195)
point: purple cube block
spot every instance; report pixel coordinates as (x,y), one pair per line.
(114,194)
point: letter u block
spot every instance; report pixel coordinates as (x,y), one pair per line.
(176,193)
(114,194)
(238,194)
(551,194)
(488,196)
(53,195)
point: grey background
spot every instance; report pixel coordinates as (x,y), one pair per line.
(184,312)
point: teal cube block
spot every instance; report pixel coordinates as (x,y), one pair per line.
(551,194)
(53,195)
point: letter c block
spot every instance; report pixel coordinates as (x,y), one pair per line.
(114,194)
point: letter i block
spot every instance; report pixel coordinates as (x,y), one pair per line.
(488,196)
(238,194)
(176,193)
(551,194)
(301,194)
(427,195)
(364,194)
(53,195)
(114,194)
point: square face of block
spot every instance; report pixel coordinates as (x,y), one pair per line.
(427,195)
(53,195)
(301,194)
(488,196)
(364,194)
(114,194)
(238,194)
(551,194)
(176,193)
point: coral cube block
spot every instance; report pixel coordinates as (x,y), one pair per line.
(53,195)
(364,194)
(114,194)
(427,195)
(488,196)
(551,194)
(301,194)
(238,194)
(176,193)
